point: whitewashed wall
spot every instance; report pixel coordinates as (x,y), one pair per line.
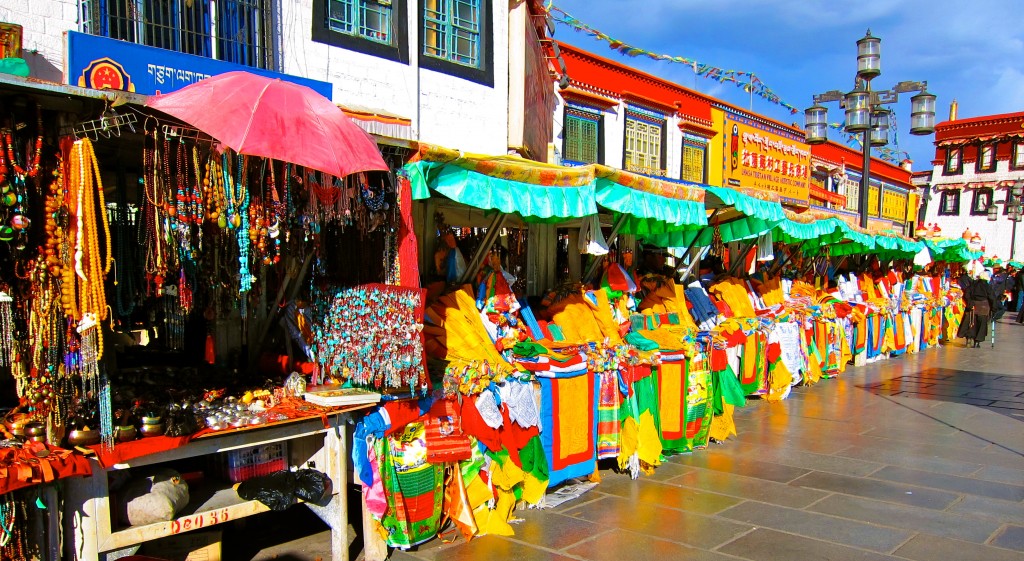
(43,25)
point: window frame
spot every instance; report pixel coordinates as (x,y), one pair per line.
(1017,155)
(397,51)
(978,193)
(164,25)
(585,114)
(482,74)
(982,148)
(696,145)
(649,118)
(959,169)
(949,194)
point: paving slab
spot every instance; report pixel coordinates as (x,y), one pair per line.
(931,548)
(770,545)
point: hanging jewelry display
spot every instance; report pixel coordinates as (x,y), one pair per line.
(241,221)
(370,335)
(83,289)
(6,331)
(13,536)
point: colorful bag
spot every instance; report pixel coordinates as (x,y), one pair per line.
(413,488)
(446,442)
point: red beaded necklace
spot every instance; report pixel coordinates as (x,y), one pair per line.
(33,168)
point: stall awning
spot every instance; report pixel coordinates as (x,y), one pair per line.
(508,184)
(954,250)
(755,216)
(648,205)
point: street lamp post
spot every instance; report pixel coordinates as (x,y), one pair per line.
(1015,212)
(866,113)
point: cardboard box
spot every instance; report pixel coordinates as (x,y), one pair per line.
(192,546)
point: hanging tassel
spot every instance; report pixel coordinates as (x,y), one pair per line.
(106,411)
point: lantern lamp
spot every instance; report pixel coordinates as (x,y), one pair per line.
(858,110)
(816,124)
(993,212)
(1018,189)
(922,114)
(869,56)
(880,127)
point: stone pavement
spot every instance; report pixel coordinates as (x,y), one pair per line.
(918,457)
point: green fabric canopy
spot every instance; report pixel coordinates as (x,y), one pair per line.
(759,216)
(534,203)
(648,213)
(953,250)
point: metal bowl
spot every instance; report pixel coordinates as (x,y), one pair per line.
(152,429)
(125,433)
(152,420)
(34,429)
(83,437)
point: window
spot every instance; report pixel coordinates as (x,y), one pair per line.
(953,163)
(694,159)
(361,18)
(1017,161)
(455,38)
(644,141)
(987,157)
(451,31)
(982,200)
(374,27)
(851,189)
(236,31)
(949,204)
(580,136)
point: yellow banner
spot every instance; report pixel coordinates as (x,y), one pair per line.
(769,160)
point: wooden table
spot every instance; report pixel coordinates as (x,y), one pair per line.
(90,533)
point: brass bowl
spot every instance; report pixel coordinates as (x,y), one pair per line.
(81,437)
(152,429)
(35,429)
(125,433)
(152,420)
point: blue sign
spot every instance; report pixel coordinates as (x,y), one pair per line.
(100,62)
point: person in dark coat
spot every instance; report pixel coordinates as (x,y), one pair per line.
(964,281)
(981,300)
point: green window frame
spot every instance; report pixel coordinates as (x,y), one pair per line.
(580,136)
(367,19)
(452,31)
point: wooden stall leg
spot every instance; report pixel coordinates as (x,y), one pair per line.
(374,547)
(334,462)
(82,526)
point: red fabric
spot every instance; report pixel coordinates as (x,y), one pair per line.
(719,360)
(735,338)
(125,451)
(475,426)
(260,116)
(401,413)
(774,352)
(24,467)
(408,252)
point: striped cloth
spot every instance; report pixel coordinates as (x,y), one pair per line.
(608,416)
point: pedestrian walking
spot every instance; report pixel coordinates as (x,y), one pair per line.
(980,299)
(1018,289)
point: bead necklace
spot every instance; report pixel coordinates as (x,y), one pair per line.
(91,266)
(245,278)
(33,168)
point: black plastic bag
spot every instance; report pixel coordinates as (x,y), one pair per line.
(280,490)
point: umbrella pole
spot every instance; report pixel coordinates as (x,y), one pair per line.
(782,263)
(596,262)
(485,247)
(693,263)
(689,248)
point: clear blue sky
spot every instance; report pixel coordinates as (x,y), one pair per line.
(972,51)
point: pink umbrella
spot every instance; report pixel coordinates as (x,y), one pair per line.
(272,118)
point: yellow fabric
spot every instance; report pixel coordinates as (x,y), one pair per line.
(734,292)
(723,426)
(575,316)
(649,449)
(478,493)
(605,320)
(814,372)
(533,489)
(846,355)
(641,439)
(494,521)
(465,338)
(750,358)
(771,292)
(685,319)
(779,380)
(456,504)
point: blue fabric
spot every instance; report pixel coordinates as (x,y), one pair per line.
(371,425)
(703,309)
(580,469)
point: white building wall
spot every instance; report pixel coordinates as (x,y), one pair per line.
(614,136)
(445,110)
(996,236)
(674,150)
(43,25)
